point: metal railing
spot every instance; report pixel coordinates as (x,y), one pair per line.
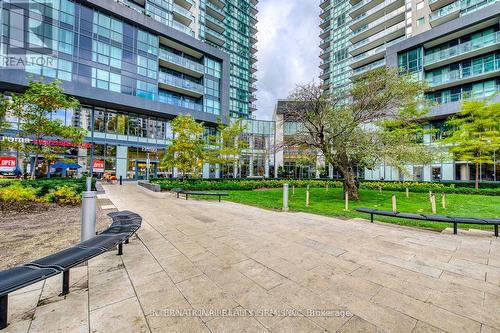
(181,61)
(179,82)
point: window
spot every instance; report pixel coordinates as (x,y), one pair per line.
(105,80)
(146,90)
(411,61)
(421,21)
(420,5)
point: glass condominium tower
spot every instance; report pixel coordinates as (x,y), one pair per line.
(229,25)
(452,45)
(134,66)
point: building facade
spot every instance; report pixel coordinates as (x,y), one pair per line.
(134,66)
(453,45)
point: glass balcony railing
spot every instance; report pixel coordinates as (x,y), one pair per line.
(183,11)
(462,96)
(214,33)
(378,36)
(472,45)
(464,73)
(214,21)
(179,82)
(181,61)
(384,18)
(445,11)
(364,69)
(372,11)
(215,8)
(181,27)
(376,50)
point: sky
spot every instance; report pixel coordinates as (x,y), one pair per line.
(288,50)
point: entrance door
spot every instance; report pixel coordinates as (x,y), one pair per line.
(140,169)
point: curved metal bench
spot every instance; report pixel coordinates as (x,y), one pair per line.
(434,218)
(124,225)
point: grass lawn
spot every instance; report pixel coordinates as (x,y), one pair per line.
(331,203)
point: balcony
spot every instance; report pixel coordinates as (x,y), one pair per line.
(375,13)
(462,96)
(325,23)
(445,14)
(214,37)
(325,54)
(362,70)
(325,64)
(214,24)
(372,55)
(180,85)
(215,11)
(380,38)
(325,3)
(219,3)
(253,78)
(182,15)
(363,6)
(436,4)
(325,33)
(253,87)
(187,4)
(181,64)
(325,74)
(378,25)
(181,27)
(464,75)
(324,44)
(462,51)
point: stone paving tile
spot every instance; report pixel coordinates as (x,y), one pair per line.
(191,255)
(426,312)
(123,316)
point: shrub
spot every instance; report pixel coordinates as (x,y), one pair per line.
(253,184)
(63,195)
(18,197)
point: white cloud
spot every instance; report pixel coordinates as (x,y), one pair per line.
(288,50)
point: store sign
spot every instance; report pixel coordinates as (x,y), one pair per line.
(149,149)
(7,163)
(98,166)
(43,142)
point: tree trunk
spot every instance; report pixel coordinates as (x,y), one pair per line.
(477,177)
(350,186)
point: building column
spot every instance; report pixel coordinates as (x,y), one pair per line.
(235,170)
(121,161)
(206,171)
(266,166)
(250,159)
(330,171)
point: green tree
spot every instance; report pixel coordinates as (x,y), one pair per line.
(34,108)
(4,109)
(226,146)
(475,134)
(373,121)
(187,150)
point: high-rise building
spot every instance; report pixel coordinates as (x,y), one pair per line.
(453,45)
(229,25)
(133,65)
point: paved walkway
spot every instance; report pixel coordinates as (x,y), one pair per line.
(269,269)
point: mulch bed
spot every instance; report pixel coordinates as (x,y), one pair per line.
(27,236)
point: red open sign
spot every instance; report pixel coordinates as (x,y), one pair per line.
(7,163)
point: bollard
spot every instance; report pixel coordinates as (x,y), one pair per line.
(433,203)
(121,180)
(293,189)
(443,200)
(394,207)
(326,186)
(307,196)
(88,217)
(89,183)
(346,201)
(285,197)
(407,193)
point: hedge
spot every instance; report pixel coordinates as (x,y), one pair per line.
(253,184)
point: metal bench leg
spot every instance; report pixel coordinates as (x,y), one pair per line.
(219,198)
(177,195)
(186,196)
(4,305)
(496,230)
(371,218)
(455,231)
(126,241)
(65,283)
(120,249)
